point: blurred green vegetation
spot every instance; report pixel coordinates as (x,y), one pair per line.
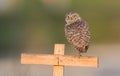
(34,24)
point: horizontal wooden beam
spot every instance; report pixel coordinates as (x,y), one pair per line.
(47,59)
(87,61)
(44,59)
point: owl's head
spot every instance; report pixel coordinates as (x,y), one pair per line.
(72,17)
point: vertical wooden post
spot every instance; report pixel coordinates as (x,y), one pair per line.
(58,69)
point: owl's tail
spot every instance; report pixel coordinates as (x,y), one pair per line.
(81,49)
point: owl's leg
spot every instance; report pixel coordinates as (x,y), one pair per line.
(78,53)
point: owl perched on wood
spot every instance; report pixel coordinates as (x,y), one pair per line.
(77,32)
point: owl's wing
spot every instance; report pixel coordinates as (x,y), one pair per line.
(78,35)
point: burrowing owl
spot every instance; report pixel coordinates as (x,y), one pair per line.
(77,32)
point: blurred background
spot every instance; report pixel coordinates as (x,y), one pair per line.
(34,26)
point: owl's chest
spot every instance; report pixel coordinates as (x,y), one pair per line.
(73,29)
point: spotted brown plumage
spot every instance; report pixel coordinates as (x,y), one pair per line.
(77,32)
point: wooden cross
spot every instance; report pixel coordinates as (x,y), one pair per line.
(58,60)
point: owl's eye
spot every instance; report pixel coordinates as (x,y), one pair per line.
(68,17)
(74,16)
